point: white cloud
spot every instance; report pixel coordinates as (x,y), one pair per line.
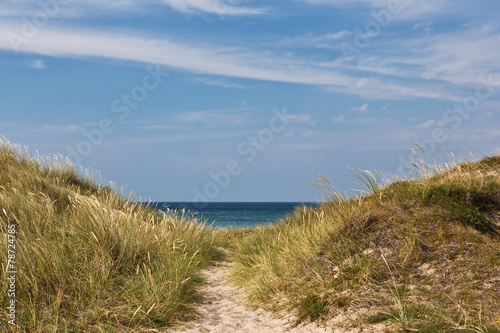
(363,108)
(38,64)
(368,120)
(220,83)
(79,8)
(407,9)
(165,127)
(459,57)
(200,136)
(211,59)
(310,134)
(219,7)
(430,124)
(212,119)
(303,119)
(372,88)
(50,128)
(493,133)
(327,41)
(385,106)
(297,146)
(216,60)
(338,119)
(422,25)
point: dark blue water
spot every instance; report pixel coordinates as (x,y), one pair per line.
(236,214)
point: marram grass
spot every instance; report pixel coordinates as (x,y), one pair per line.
(417,255)
(87,259)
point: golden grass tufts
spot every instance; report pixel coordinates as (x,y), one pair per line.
(90,260)
(419,254)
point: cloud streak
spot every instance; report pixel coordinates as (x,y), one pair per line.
(409,9)
(423,67)
(458,58)
(207,60)
(38,64)
(218,7)
(220,83)
(214,60)
(79,8)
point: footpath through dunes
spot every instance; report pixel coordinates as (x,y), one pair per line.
(223,310)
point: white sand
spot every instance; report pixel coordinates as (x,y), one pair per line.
(223,310)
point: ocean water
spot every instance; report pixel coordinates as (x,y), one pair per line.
(236,214)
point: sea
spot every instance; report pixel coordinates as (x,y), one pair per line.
(235,214)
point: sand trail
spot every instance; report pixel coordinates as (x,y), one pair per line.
(223,310)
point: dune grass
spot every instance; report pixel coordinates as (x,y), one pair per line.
(416,255)
(89,260)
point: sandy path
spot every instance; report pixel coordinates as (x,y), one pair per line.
(223,310)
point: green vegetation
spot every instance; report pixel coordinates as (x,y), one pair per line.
(417,255)
(89,260)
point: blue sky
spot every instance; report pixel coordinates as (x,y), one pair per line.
(234,100)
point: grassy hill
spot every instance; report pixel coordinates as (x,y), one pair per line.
(419,255)
(416,255)
(88,260)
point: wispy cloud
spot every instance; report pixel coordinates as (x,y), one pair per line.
(422,67)
(459,57)
(165,127)
(303,118)
(38,64)
(219,7)
(372,120)
(60,128)
(430,124)
(375,88)
(212,59)
(338,119)
(79,8)
(221,118)
(363,108)
(198,136)
(328,41)
(54,129)
(220,83)
(406,9)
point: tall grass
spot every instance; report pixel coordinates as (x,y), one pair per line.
(89,260)
(418,254)
(422,253)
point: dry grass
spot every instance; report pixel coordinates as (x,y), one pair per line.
(415,255)
(421,254)
(88,260)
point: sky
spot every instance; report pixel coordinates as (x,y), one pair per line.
(241,100)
